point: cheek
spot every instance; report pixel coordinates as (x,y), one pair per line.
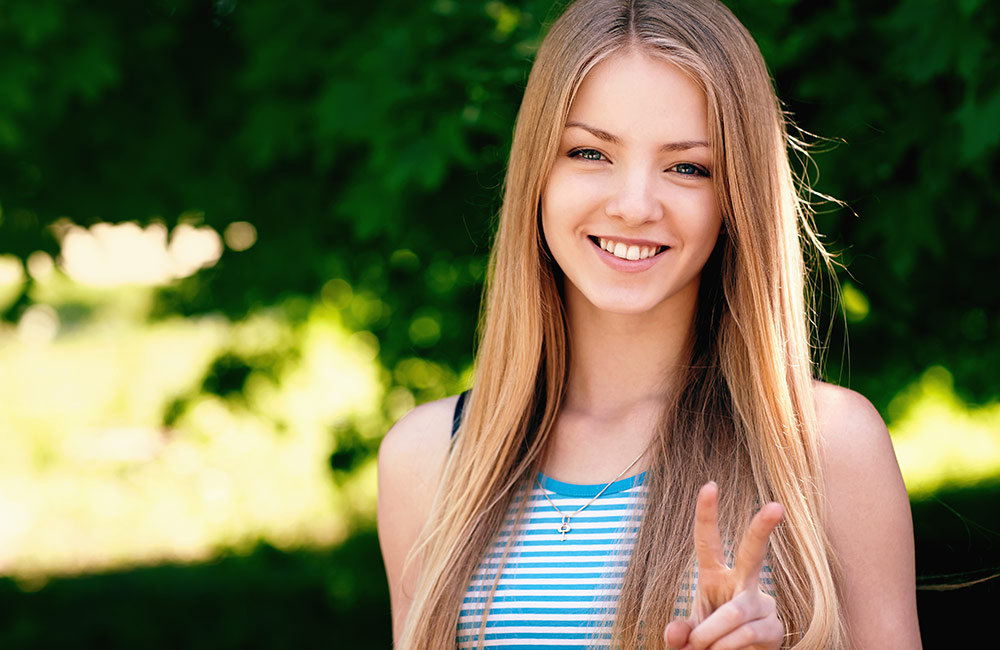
(701,221)
(561,204)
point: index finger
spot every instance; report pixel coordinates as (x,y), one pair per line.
(753,547)
(707,540)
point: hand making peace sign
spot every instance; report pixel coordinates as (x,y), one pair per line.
(730,610)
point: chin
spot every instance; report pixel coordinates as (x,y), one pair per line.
(646,300)
(623,305)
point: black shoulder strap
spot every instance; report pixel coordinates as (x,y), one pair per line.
(456,419)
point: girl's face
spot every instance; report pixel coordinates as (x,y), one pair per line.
(629,210)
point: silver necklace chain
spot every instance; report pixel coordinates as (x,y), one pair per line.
(564,527)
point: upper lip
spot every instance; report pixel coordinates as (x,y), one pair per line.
(629,241)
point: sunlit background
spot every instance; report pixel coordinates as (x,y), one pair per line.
(238,241)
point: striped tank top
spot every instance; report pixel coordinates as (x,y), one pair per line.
(555,590)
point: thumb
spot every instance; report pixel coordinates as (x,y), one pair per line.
(676,634)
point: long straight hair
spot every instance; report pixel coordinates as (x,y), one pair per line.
(743,414)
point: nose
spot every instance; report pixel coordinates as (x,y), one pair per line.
(634,199)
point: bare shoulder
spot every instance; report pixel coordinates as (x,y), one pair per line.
(849,425)
(412,455)
(868,519)
(858,460)
(410,461)
(420,436)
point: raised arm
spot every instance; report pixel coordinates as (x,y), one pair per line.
(410,461)
(869,522)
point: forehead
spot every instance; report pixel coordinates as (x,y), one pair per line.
(642,98)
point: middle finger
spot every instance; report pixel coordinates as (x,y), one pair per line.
(753,547)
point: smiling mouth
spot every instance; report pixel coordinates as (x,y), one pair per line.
(627,251)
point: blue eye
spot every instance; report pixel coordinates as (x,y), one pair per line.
(586,154)
(687,169)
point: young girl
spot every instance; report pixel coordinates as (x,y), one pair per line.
(644,383)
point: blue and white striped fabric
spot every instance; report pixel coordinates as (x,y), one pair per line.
(554,592)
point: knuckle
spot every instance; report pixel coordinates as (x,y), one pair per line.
(697,640)
(745,636)
(740,638)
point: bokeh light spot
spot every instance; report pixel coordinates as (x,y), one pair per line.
(421,374)
(856,305)
(404,259)
(337,293)
(11,270)
(365,343)
(40,266)
(113,255)
(12,277)
(505,16)
(477,268)
(38,324)
(398,402)
(240,235)
(193,248)
(442,277)
(366,309)
(425,330)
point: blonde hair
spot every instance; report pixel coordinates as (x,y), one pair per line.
(743,415)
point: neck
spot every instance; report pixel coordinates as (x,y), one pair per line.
(621,361)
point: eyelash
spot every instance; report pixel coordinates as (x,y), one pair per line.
(581,153)
(697,170)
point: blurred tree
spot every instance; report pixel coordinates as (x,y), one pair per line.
(366,143)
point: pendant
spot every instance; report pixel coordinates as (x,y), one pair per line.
(564,528)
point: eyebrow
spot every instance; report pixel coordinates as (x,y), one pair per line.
(683,145)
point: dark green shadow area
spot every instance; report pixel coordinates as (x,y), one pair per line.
(957,535)
(267,599)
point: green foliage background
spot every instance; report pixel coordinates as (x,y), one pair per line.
(366,142)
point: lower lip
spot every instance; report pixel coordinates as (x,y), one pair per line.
(627,266)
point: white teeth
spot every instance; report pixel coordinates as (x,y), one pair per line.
(627,252)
